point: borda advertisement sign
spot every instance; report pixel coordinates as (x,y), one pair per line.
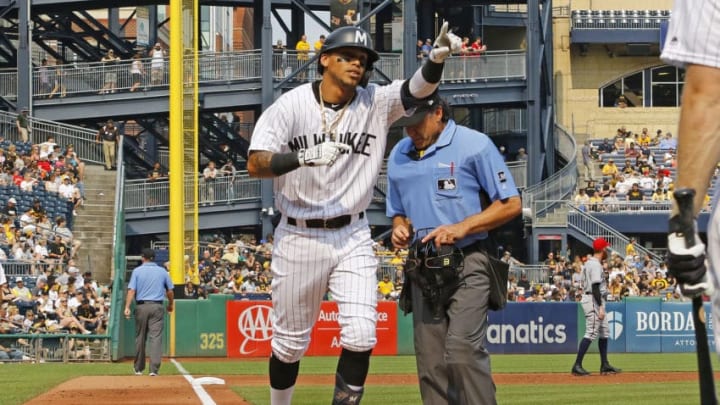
(249,329)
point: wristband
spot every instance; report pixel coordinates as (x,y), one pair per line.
(281,163)
(432,72)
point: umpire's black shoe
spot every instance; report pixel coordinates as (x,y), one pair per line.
(579,371)
(608,369)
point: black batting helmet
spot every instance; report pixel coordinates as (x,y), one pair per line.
(350,36)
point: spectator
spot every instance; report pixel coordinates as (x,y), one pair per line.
(582,200)
(635,194)
(231,256)
(477,48)
(44,74)
(156,172)
(87,314)
(427,47)
(521,155)
(210,174)
(22,297)
(110,65)
(596,202)
(190,291)
(319,43)
(59,82)
(23,125)
(66,234)
(610,169)
(279,59)
(109,135)
(66,318)
(229,172)
(157,65)
(419,52)
(303,48)
(605,146)
(386,288)
(668,142)
(136,72)
(611,202)
(10,208)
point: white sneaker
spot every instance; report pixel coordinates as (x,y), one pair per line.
(138,372)
(153,374)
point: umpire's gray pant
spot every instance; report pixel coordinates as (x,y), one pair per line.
(149,325)
(453,364)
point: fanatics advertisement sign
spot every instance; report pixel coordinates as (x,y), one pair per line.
(249,329)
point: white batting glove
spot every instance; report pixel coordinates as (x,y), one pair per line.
(324,154)
(445,44)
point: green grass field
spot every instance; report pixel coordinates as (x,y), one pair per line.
(25,381)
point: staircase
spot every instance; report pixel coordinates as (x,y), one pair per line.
(94,223)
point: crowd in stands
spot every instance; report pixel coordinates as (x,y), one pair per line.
(634,276)
(56,301)
(240,267)
(635,168)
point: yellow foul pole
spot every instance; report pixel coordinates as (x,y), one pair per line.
(176,220)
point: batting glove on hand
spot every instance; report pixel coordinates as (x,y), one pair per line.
(687,265)
(324,154)
(445,44)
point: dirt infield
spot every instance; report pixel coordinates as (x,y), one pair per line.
(176,390)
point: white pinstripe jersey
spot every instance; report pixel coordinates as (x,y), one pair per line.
(293,122)
(694,34)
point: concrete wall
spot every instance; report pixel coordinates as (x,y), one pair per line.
(578,79)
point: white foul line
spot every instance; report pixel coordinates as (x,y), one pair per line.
(197,383)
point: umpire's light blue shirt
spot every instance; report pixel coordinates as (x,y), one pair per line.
(150,282)
(443,187)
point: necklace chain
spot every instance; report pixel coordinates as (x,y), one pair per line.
(333,125)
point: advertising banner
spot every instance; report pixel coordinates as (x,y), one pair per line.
(654,327)
(534,328)
(249,329)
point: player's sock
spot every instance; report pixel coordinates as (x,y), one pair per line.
(603,346)
(584,345)
(281,397)
(353,367)
(282,380)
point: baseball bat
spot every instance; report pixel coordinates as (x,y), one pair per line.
(685,202)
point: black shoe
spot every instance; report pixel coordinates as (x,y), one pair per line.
(608,369)
(579,371)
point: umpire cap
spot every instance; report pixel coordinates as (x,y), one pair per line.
(423,107)
(350,36)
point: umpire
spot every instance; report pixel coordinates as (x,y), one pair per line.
(593,304)
(436,176)
(149,285)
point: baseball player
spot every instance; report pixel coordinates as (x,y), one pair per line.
(693,42)
(435,179)
(593,303)
(323,143)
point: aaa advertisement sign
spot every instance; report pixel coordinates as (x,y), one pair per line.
(249,329)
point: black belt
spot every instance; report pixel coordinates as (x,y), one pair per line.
(148,302)
(330,223)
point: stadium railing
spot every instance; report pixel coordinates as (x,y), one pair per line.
(88,78)
(82,139)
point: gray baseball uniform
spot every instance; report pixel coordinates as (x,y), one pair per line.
(592,273)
